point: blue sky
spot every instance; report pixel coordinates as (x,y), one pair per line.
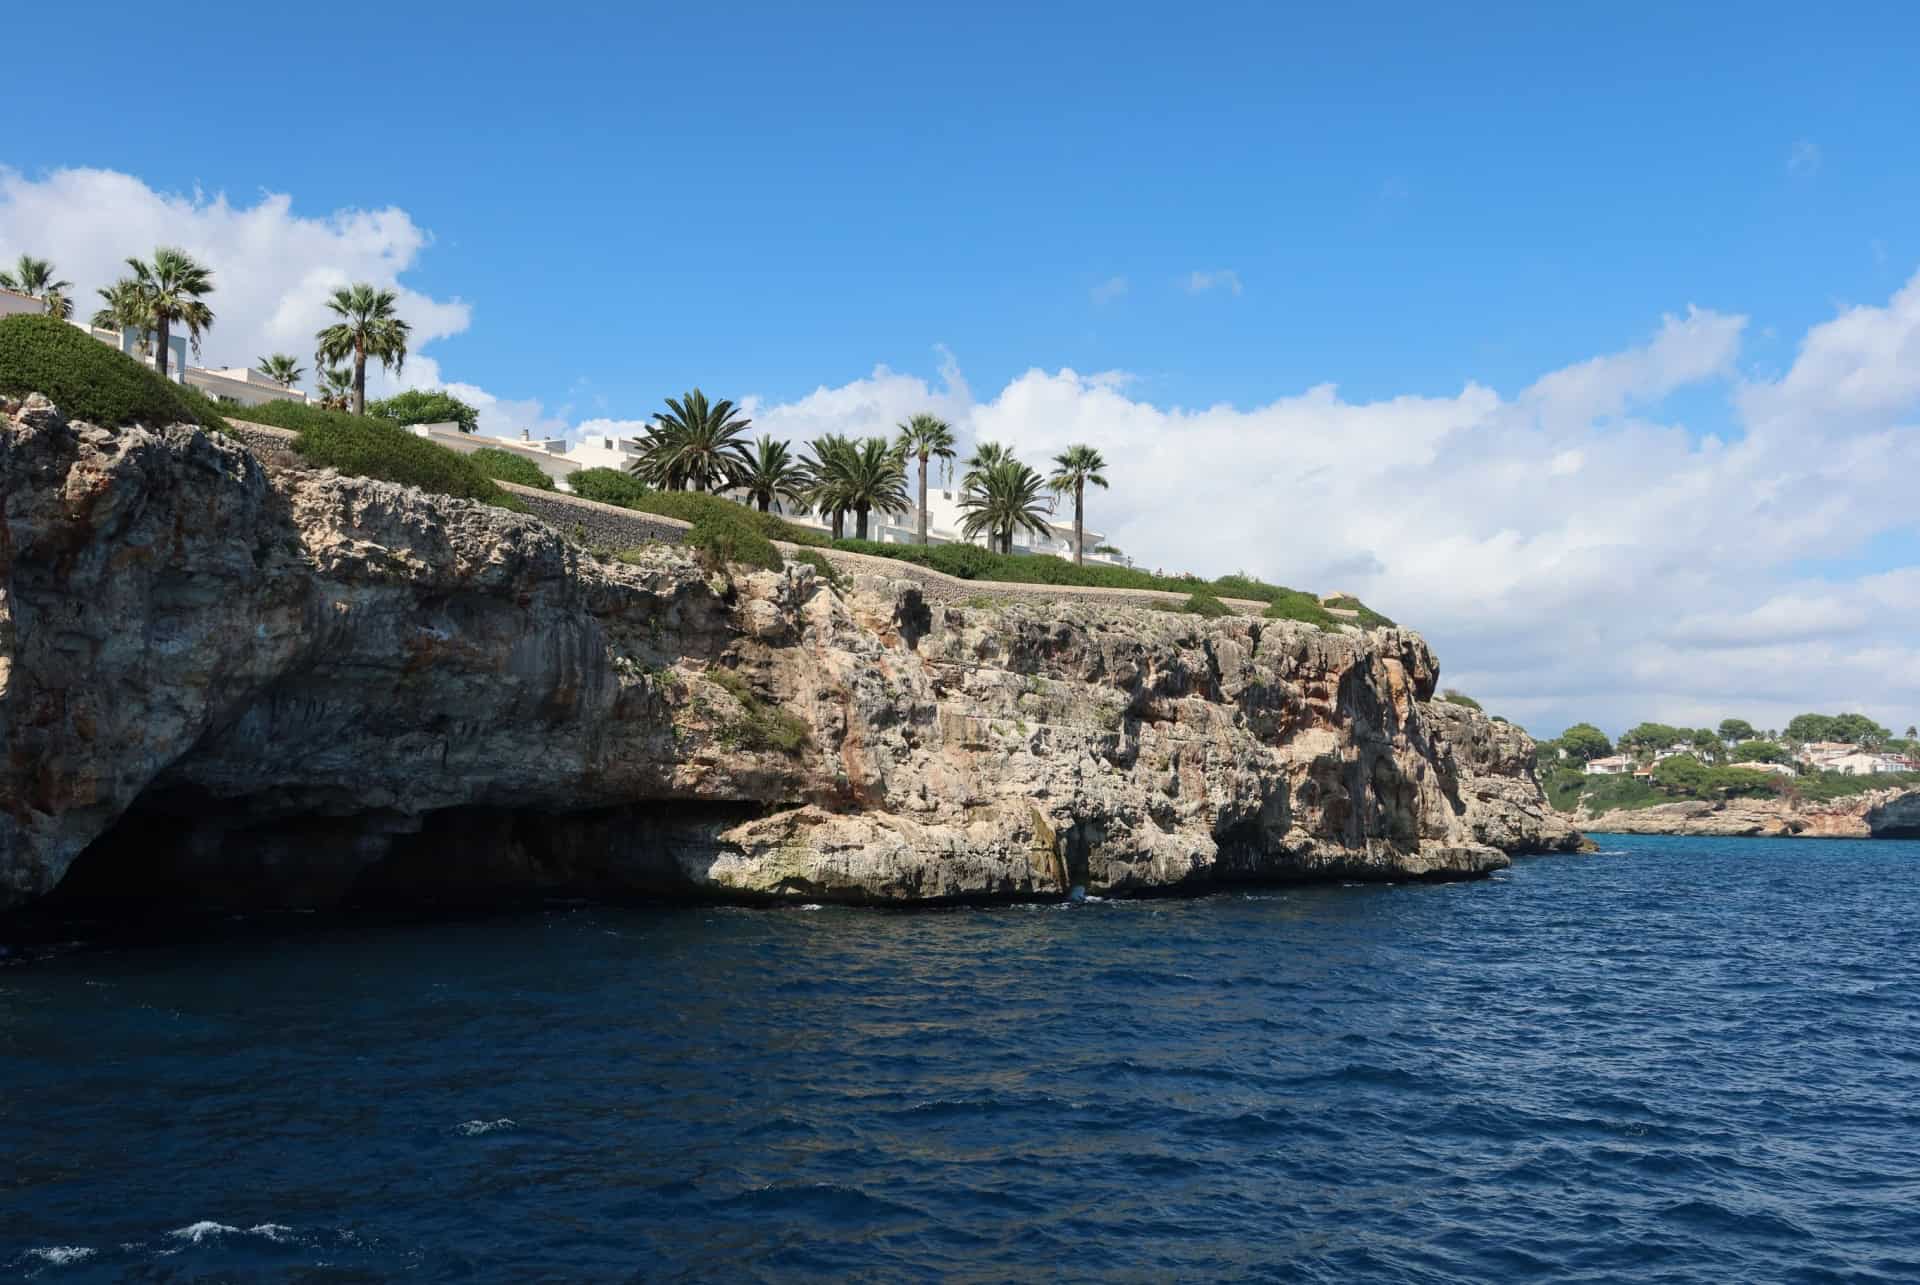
(1433,209)
(780,196)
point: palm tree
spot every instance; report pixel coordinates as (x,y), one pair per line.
(1912,731)
(980,463)
(336,388)
(773,474)
(281,368)
(171,286)
(823,466)
(123,307)
(1001,498)
(867,475)
(1073,469)
(31,276)
(694,443)
(927,437)
(367,328)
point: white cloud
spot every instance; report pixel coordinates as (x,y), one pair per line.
(1803,159)
(1109,290)
(1227,279)
(272,268)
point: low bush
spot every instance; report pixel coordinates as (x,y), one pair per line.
(691,506)
(367,447)
(1454,696)
(1205,604)
(1364,616)
(90,381)
(720,538)
(504,466)
(607,486)
(761,726)
(1292,604)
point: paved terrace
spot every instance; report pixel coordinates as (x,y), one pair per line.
(609,526)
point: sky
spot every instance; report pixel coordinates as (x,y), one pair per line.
(1588,344)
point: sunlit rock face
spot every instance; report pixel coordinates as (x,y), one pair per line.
(224,685)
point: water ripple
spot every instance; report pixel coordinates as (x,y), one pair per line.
(1687,1061)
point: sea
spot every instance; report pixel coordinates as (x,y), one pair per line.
(1679,1059)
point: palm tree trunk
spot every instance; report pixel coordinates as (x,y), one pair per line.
(359,378)
(860,527)
(923,499)
(765,502)
(839,524)
(1079,521)
(160,323)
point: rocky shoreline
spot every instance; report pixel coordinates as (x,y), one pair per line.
(1878,814)
(224,685)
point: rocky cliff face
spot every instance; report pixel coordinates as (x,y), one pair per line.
(1878,814)
(222,686)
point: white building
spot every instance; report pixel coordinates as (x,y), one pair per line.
(548,454)
(1613,765)
(1865,763)
(241,384)
(14,304)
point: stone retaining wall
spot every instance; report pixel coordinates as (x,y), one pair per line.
(609,526)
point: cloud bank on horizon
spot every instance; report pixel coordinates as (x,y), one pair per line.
(1570,552)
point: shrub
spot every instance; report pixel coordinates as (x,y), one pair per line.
(1366,617)
(1454,696)
(367,447)
(505,466)
(1291,604)
(761,726)
(1205,604)
(607,486)
(691,506)
(721,538)
(90,381)
(420,406)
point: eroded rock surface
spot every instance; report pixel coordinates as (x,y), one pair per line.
(228,687)
(1874,814)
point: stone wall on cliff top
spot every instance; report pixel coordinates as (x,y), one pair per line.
(225,686)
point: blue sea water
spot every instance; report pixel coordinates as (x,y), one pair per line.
(1686,1060)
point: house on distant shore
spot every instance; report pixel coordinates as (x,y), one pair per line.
(1613,765)
(1867,763)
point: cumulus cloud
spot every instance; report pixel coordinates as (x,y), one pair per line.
(1570,555)
(1199,282)
(273,269)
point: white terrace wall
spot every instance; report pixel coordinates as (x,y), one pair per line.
(608,526)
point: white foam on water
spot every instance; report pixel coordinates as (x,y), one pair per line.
(474,1128)
(813,905)
(197,1232)
(61,1255)
(275,1232)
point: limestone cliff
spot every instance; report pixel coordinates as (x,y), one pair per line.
(225,686)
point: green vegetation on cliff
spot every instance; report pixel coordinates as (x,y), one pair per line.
(504,466)
(90,381)
(367,447)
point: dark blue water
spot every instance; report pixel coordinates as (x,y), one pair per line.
(1694,1060)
